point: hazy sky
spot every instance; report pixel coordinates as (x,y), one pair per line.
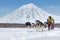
(51,6)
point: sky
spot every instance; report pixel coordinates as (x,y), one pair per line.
(51,6)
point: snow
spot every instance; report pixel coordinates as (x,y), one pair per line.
(26,34)
(28,12)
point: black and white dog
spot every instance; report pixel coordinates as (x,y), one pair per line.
(40,25)
(28,24)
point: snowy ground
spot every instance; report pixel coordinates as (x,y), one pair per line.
(26,34)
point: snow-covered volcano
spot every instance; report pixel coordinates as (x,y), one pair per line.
(29,12)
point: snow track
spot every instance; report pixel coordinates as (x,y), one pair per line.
(22,34)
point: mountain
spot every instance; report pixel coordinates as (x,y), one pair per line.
(29,12)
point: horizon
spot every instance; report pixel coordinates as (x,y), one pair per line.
(50,6)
